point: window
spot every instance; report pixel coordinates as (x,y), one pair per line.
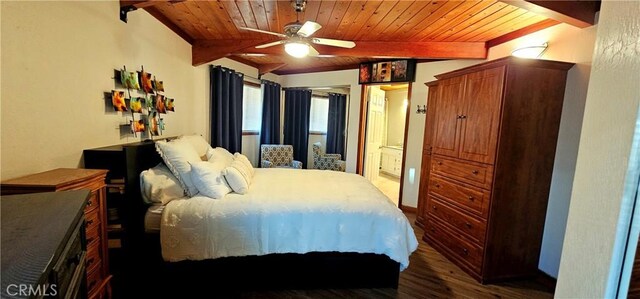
(319,115)
(251,108)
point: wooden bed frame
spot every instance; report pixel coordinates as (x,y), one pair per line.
(272,272)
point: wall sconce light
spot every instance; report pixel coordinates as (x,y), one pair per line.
(422,109)
(530,51)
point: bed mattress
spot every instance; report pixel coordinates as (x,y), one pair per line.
(288,211)
(152,218)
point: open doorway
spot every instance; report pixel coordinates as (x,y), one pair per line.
(384,122)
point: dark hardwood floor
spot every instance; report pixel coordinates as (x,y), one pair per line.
(430,275)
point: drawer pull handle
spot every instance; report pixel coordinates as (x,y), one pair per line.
(89,222)
(433,230)
(90,261)
(471,198)
(468,225)
(90,203)
(435,208)
(439,162)
(475,172)
(466,252)
(437,185)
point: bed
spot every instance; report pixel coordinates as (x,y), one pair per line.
(342,233)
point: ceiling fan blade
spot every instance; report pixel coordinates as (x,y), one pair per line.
(333,42)
(263,31)
(309,28)
(271,44)
(313,52)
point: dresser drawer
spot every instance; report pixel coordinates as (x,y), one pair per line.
(92,202)
(472,199)
(93,220)
(467,253)
(93,235)
(93,256)
(474,228)
(476,174)
(93,279)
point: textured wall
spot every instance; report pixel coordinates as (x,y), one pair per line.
(590,259)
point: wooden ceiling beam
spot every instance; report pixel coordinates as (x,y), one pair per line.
(581,14)
(521,32)
(422,50)
(203,51)
(269,67)
(145,3)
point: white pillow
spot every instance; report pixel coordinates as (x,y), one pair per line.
(242,158)
(177,154)
(159,185)
(199,144)
(220,154)
(238,177)
(208,178)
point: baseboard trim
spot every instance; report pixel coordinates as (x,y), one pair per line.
(408,209)
(546,280)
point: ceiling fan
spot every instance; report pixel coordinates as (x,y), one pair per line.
(297,38)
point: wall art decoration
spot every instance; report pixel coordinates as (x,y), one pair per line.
(145,81)
(117,99)
(402,70)
(137,126)
(160,105)
(129,80)
(142,96)
(136,104)
(169,104)
(158,85)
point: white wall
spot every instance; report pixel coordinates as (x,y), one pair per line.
(589,262)
(396,115)
(336,78)
(58,60)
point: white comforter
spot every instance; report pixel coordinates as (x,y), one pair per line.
(289,211)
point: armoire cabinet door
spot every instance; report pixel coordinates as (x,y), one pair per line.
(447,119)
(427,148)
(481,115)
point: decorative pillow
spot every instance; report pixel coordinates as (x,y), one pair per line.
(177,154)
(159,185)
(199,144)
(208,179)
(220,154)
(238,177)
(242,158)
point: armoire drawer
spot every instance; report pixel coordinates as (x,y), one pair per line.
(467,253)
(476,174)
(472,227)
(92,202)
(472,199)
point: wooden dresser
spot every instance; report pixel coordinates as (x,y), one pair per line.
(61,179)
(493,145)
(43,245)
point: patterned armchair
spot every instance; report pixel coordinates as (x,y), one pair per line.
(326,161)
(276,155)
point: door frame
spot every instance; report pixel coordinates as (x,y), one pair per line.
(362,128)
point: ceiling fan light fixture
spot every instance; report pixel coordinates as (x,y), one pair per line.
(297,49)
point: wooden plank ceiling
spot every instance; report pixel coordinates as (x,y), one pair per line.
(381,29)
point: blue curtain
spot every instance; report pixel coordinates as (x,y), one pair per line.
(297,108)
(336,124)
(226,108)
(270,130)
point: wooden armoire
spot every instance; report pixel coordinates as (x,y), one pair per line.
(490,142)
